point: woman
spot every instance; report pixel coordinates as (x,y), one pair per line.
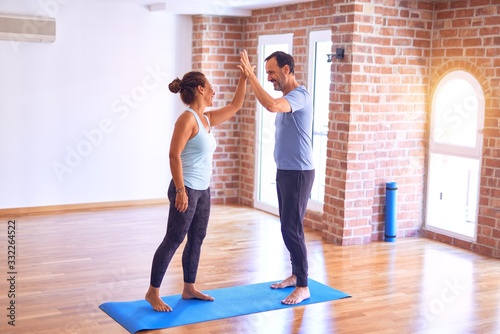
(191,151)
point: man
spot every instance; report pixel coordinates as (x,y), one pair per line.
(294,161)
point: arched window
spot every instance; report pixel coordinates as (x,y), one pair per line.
(455,155)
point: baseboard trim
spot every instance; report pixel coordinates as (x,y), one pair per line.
(12,212)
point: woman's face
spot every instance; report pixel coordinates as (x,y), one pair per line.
(209,95)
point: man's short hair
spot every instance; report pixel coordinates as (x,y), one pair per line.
(283,58)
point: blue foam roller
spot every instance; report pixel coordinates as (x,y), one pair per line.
(391,194)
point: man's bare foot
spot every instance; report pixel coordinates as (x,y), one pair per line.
(290,281)
(190,292)
(153,297)
(298,295)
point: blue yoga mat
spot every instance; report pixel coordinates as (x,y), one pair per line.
(229,302)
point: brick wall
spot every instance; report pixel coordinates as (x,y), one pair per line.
(392,47)
(299,19)
(380,105)
(216,45)
(466,37)
(378,109)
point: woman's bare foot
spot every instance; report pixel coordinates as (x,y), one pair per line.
(190,292)
(153,297)
(298,295)
(290,281)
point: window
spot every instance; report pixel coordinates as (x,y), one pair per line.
(319,88)
(266,197)
(320,44)
(455,156)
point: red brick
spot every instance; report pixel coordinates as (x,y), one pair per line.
(400,62)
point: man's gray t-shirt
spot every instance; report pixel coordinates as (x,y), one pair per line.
(293,146)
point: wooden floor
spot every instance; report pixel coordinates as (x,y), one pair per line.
(68,264)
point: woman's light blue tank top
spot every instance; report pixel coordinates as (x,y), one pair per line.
(197,157)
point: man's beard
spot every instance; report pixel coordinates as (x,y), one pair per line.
(277,84)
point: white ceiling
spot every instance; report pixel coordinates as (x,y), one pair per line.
(209,7)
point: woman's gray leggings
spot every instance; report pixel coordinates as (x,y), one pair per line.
(194,223)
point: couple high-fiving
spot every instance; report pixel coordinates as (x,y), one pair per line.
(191,150)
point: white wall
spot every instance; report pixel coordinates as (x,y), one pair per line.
(89,117)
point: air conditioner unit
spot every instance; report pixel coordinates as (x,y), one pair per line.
(23,28)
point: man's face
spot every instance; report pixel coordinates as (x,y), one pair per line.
(275,74)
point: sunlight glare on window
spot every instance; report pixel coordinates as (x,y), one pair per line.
(458,105)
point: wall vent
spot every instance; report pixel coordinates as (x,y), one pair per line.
(23,28)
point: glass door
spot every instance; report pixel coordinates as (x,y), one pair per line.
(266,197)
(320,45)
(455,156)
